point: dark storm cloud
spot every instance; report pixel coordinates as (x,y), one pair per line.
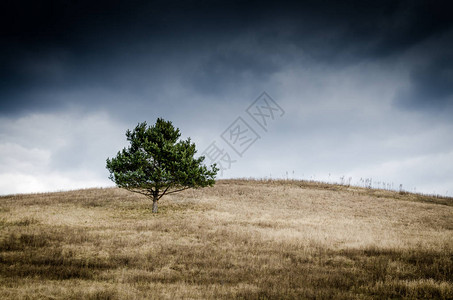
(49,48)
(223,71)
(431,79)
(431,87)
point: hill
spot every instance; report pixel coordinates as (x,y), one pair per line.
(243,239)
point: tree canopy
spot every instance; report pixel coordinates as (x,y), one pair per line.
(158,163)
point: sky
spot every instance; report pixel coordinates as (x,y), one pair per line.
(337,91)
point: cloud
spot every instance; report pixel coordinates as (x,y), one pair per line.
(342,122)
(22,159)
(56,151)
(429,173)
(364,85)
(141,48)
(430,86)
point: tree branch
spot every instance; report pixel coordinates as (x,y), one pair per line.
(175,191)
(139,192)
(163,192)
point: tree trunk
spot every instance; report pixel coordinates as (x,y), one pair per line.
(155,204)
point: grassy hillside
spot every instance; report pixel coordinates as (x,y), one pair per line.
(239,239)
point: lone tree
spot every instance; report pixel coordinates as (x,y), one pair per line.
(157,164)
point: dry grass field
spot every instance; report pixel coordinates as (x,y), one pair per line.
(241,239)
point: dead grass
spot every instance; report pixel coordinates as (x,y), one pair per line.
(244,239)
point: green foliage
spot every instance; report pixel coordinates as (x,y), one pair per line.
(156,163)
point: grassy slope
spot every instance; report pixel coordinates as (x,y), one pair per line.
(239,239)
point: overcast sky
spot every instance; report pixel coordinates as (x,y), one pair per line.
(357,89)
